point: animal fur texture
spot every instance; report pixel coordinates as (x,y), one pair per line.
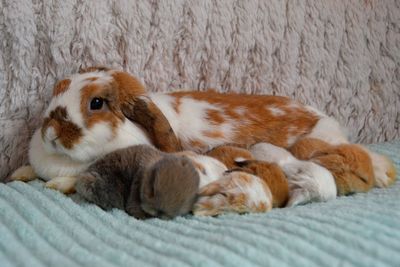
(340,57)
(93,113)
(143,181)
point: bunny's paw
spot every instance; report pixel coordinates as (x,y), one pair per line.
(64,184)
(23,174)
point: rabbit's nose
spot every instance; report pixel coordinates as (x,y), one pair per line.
(51,134)
(50,130)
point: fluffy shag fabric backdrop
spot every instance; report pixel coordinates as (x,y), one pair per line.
(342,57)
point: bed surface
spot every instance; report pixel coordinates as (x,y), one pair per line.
(41,227)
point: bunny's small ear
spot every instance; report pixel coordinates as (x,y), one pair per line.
(93,68)
(144,112)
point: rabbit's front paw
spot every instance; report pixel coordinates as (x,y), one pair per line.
(64,184)
(23,174)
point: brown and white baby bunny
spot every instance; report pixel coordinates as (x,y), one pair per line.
(272,175)
(350,164)
(254,187)
(143,181)
(307,180)
(234,192)
(222,191)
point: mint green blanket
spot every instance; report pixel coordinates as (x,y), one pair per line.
(41,227)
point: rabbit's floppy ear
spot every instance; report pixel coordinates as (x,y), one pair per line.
(143,111)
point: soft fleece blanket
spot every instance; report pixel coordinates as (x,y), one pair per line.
(41,227)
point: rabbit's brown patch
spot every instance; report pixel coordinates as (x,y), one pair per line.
(61,87)
(145,113)
(227,155)
(67,132)
(273,176)
(92,79)
(127,86)
(214,134)
(350,164)
(305,148)
(197,145)
(257,120)
(110,113)
(123,89)
(215,116)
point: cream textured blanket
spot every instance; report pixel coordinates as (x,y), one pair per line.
(342,57)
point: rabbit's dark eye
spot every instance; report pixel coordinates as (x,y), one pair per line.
(96,103)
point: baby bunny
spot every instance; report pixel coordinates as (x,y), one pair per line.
(307,180)
(263,174)
(237,190)
(272,175)
(222,191)
(350,164)
(143,181)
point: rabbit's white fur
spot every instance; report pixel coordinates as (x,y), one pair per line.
(49,163)
(208,168)
(307,180)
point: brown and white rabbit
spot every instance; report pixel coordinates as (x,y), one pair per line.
(249,186)
(254,187)
(143,181)
(85,121)
(350,164)
(235,192)
(272,175)
(307,180)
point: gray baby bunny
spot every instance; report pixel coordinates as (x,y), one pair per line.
(143,181)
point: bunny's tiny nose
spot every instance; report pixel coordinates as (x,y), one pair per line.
(51,133)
